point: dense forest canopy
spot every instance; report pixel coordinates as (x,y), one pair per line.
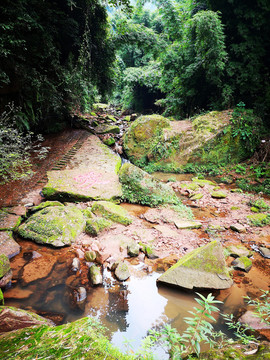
(180,57)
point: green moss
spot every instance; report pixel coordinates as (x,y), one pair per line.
(1,298)
(55,225)
(196,197)
(260,204)
(45,204)
(109,142)
(218,195)
(254,209)
(235,208)
(4,265)
(202,182)
(95,225)
(111,211)
(259,219)
(83,339)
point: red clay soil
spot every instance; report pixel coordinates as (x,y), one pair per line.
(60,144)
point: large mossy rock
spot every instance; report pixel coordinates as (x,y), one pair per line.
(92,174)
(112,212)
(140,187)
(203,268)
(168,144)
(12,318)
(57,226)
(143,134)
(82,339)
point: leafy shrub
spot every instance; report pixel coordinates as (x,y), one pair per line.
(15,147)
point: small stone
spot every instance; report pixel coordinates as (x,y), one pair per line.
(133,249)
(242,263)
(75,264)
(218,195)
(238,228)
(95,275)
(239,250)
(122,271)
(16,293)
(38,269)
(149,252)
(265,252)
(90,256)
(187,224)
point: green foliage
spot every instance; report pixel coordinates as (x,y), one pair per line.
(15,147)
(247,126)
(54,56)
(199,330)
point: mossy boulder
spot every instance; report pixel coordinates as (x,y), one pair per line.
(57,226)
(12,318)
(82,339)
(107,129)
(203,268)
(112,212)
(218,194)
(197,196)
(140,187)
(144,132)
(100,107)
(97,224)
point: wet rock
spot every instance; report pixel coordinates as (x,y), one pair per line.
(90,256)
(264,251)
(238,228)
(242,263)
(95,275)
(112,212)
(9,221)
(91,175)
(78,297)
(218,195)
(13,319)
(38,269)
(187,224)
(133,249)
(95,225)
(118,299)
(4,265)
(55,225)
(8,245)
(75,264)
(6,279)
(72,281)
(122,271)
(239,250)
(249,318)
(140,187)
(204,267)
(17,293)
